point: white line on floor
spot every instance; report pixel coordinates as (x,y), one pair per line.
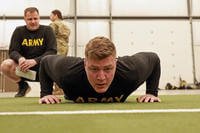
(99,112)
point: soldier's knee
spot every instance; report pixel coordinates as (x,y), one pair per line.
(7,65)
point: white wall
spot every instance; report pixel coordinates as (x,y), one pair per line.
(196,27)
(149,7)
(171,40)
(16,7)
(196,31)
(93,7)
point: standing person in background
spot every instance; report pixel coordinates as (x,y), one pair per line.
(29,43)
(61,31)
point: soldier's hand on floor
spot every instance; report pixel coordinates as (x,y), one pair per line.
(148,98)
(49,99)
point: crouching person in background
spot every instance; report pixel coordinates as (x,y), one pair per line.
(29,43)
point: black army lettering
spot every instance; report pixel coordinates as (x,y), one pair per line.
(102,100)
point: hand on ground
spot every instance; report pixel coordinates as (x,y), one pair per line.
(49,99)
(148,98)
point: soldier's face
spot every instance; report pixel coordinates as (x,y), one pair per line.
(100,73)
(52,17)
(32,20)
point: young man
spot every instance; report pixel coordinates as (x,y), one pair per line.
(100,76)
(29,43)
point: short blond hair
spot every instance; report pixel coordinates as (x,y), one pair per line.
(99,48)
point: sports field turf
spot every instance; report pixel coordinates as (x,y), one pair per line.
(162,122)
